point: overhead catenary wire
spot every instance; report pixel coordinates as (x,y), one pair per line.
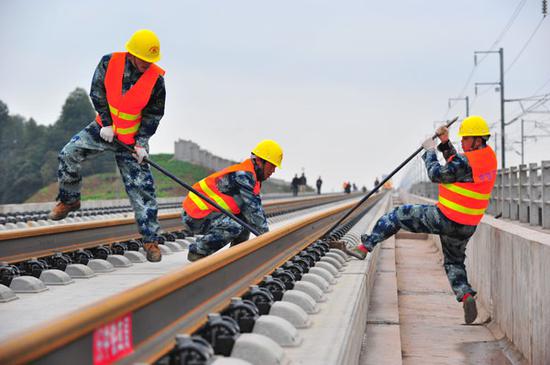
(502,34)
(525,45)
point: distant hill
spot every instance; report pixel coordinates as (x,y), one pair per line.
(109,185)
(28,165)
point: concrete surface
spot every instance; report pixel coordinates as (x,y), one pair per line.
(382,342)
(431,320)
(508,264)
(35,309)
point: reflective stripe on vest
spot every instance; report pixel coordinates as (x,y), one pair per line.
(124,116)
(198,208)
(126,108)
(465,203)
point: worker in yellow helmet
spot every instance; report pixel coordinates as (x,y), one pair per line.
(237,190)
(128,95)
(465,185)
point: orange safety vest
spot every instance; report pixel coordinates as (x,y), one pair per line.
(126,108)
(198,208)
(465,202)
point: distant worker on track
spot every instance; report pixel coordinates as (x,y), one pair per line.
(465,184)
(319,183)
(237,189)
(295,184)
(128,94)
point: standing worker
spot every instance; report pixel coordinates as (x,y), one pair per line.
(128,94)
(294,185)
(236,189)
(319,182)
(303,182)
(465,184)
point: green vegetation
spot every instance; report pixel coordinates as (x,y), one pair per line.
(29,150)
(28,165)
(109,185)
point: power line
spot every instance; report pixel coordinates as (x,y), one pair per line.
(533,96)
(505,30)
(525,45)
(477,95)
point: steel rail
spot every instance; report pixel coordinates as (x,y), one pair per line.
(24,244)
(174,303)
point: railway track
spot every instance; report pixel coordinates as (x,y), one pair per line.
(180,301)
(24,244)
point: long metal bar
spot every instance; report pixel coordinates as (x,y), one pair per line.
(380,184)
(190,188)
(175,303)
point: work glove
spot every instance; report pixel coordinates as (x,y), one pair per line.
(107,133)
(443,134)
(140,154)
(429,144)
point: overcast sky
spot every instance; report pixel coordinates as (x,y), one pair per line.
(348,88)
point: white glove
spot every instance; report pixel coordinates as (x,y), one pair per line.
(107,133)
(429,144)
(140,154)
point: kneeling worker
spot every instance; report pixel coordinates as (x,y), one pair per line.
(465,184)
(236,189)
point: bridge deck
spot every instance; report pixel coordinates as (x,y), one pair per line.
(413,315)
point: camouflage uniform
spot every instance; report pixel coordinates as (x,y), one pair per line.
(429,219)
(217,229)
(87,143)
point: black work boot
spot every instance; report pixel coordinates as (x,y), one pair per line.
(194,256)
(470,308)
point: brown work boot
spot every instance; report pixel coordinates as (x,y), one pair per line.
(153,251)
(61,210)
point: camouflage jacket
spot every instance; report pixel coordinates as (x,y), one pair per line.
(151,114)
(457,168)
(240,185)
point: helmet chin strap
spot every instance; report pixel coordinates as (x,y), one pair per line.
(259,169)
(473,146)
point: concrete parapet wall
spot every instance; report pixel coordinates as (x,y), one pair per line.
(509,265)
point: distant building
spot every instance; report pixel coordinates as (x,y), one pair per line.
(191,152)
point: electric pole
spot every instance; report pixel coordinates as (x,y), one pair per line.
(501,87)
(466,99)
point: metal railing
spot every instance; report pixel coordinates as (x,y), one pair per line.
(523,193)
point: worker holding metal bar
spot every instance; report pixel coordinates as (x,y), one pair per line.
(128,94)
(465,184)
(236,189)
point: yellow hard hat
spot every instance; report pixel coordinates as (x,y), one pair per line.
(270,151)
(474,126)
(145,45)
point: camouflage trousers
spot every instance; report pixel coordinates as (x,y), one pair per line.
(217,229)
(138,180)
(429,219)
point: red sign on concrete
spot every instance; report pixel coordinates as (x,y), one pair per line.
(113,340)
